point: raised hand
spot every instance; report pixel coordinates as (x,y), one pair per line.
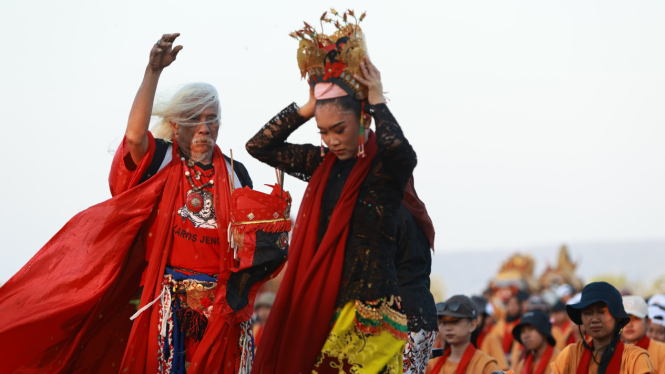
(307,110)
(372,79)
(163,53)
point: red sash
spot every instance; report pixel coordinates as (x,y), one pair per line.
(299,321)
(508,335)
(461,367)
(644,343)
(612,368)
(481,337)
(542,364)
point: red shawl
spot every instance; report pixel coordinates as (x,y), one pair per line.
(612,368)
(543,364)
(419,212)
(67,309)
(644,343)
(300,318)
(463,364)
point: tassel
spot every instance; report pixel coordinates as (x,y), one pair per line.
(361,136)
(323,153)
(193,322)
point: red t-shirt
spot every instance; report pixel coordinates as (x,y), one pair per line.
(196,244)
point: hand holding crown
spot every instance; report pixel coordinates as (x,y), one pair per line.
(372,79)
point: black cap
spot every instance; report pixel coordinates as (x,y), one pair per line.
(522,296)
(481,304)
(458,306)
(540,321)
(559,307)
(599,292)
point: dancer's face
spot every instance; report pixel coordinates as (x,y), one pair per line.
(339,130)
(197,138)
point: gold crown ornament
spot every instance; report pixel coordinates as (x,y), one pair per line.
(334,58)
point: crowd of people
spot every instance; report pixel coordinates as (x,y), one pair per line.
(528,335)
(165,277)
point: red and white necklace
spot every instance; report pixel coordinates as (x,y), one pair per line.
(194,199)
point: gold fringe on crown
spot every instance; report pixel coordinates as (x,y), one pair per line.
(323,59)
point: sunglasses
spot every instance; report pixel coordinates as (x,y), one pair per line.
(456,306)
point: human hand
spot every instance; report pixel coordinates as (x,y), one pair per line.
(163,53)
(307,110)
(372,79)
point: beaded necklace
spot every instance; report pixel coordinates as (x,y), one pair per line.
(194,199)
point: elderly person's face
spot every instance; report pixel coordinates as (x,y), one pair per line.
(197,138)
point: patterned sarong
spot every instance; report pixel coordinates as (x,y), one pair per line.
(184,309)
(418,350)
(360,345)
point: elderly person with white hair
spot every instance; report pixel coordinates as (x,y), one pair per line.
(164,235)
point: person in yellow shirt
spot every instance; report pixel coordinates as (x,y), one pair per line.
(601,313)
(534,332)
(484,340)
(458,319)
(562,328)
(635,331)
(656,329)
(503,329)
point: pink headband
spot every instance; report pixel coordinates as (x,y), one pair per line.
(327,90)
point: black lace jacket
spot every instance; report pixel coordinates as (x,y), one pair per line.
(414,264)
(369,271)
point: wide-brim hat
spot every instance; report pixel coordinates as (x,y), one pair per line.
(599,292)
(540,321)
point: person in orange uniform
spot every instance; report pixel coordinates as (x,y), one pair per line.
(562,329)
(485,341)
(504,327)
(601,313)
(635,331)
(458,319)
(534,332)
(656,329)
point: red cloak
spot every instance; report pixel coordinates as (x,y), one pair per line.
(67,310)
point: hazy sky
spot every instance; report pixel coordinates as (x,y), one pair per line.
(534,122)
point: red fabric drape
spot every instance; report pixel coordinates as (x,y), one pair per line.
(613,367)
(542,364)
(68,309)
(300,317)
(418,210)
(463,364)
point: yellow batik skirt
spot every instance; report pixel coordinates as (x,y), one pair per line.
(366,338)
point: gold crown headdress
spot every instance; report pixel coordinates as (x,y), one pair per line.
(333,58)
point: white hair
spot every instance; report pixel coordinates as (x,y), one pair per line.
(187,103)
